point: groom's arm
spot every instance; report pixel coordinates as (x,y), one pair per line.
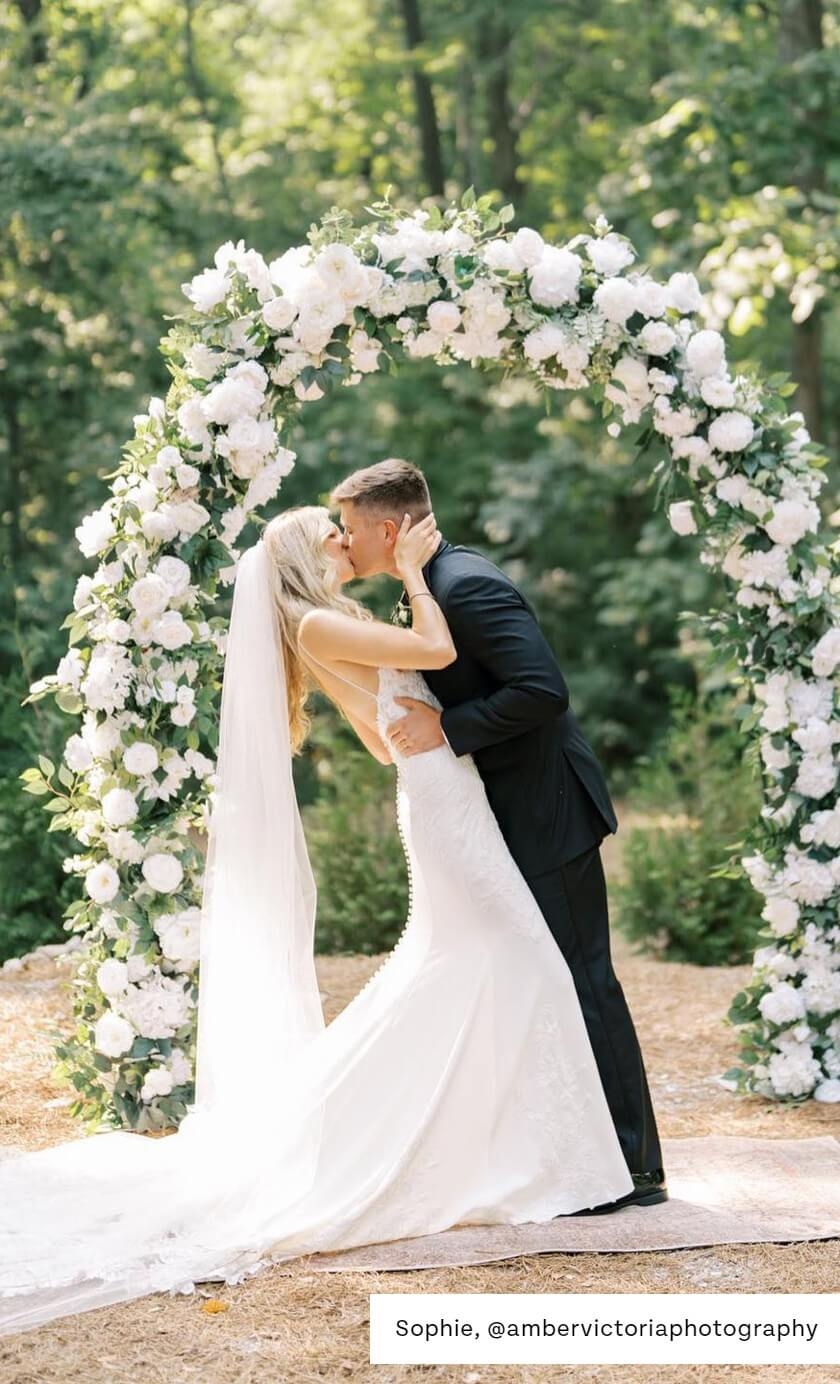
(490,621)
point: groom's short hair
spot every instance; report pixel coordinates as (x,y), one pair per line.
(389,488)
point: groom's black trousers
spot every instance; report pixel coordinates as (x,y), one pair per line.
(573,901)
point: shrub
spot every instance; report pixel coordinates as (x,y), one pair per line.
(683,895)
(354,845)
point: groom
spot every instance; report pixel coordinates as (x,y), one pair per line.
(506,703)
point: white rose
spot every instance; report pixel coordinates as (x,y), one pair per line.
(828,1091)
(717,392)
(684,293)
(544,341)
(182,713)
(815,736)
(70,670)
(163,872)
(279,313)
(246,445)
(192,422)
(705,354)
(159,526)
(817,776)
(171,630)
(112,977)
(112,1035)
(149,595)
(179,936)
(443,317)
(609,254)
(96,531)
(681,517)
(206,290)
(823,829)
(175,573)
(657,338)
(527,247)
(102,882)
(189,516)
(555,278)
(77,755)
(141,759)
(615,299)
(826,653)
(731,432)
(119,807)
(790,520)
(651,297)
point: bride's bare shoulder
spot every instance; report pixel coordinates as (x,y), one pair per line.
(319,627)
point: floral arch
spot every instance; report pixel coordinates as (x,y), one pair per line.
(145,656)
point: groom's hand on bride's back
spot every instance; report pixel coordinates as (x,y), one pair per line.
(418,730)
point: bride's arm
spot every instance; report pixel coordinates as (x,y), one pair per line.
(331,635)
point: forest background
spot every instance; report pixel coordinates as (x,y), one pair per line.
(136,137)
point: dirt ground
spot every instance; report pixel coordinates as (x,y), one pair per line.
(289,1324)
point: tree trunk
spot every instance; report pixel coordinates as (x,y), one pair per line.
(466,137)
(801,33)
(427,121)
(494,47)
(199,91)
(31,13)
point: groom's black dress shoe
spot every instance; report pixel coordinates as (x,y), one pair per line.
(648,1190)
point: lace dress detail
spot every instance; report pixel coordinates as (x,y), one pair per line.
(458,1087)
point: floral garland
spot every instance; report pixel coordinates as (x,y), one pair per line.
(146,652)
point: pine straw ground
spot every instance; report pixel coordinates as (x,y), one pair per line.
(288,1324)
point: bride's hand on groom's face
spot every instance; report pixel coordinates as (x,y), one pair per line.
(415,543)
(418,730)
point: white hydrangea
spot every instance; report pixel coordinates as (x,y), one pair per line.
(705,354)
(157,1006)
(609,254)
(555,279)
(782,915)
(731,432)
(615,299)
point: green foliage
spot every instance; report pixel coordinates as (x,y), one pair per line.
(34,889)
(137,136)
(683,895)
(354,845)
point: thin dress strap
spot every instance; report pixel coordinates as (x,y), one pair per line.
(334,674)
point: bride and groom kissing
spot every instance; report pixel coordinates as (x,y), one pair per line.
(489,1071)
(496,693)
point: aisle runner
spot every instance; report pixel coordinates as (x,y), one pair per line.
(723,1190)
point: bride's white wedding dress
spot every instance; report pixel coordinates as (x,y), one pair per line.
(458,1087)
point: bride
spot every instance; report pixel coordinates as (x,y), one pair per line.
(458,1087)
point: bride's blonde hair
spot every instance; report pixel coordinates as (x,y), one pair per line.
(303,578)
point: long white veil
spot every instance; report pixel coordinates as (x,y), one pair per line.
(258,994)
(116,1215)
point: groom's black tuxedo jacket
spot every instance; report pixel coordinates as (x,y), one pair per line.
(507,704)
